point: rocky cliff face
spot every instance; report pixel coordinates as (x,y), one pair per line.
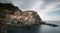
(12,17)
(5,11)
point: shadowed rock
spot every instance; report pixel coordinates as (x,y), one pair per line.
(53,25)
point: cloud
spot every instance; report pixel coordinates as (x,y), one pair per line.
(24,4)
(5,1)
(44,7)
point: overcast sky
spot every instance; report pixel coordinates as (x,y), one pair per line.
(47,9)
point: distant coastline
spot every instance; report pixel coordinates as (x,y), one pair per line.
(53,20)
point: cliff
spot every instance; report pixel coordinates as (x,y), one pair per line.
(5,11)
(11,17)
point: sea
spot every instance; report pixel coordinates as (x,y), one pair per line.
(40,29)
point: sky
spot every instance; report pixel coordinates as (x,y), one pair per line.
(47,9)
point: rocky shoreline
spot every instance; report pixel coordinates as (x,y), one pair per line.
(11,17)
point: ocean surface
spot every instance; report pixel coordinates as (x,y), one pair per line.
(40,29)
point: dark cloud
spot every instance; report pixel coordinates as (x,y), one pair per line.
(5,1)
(51,1)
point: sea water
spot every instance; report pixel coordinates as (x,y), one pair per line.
(40,29)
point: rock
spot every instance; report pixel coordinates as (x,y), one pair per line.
(11,17)
(5,11)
